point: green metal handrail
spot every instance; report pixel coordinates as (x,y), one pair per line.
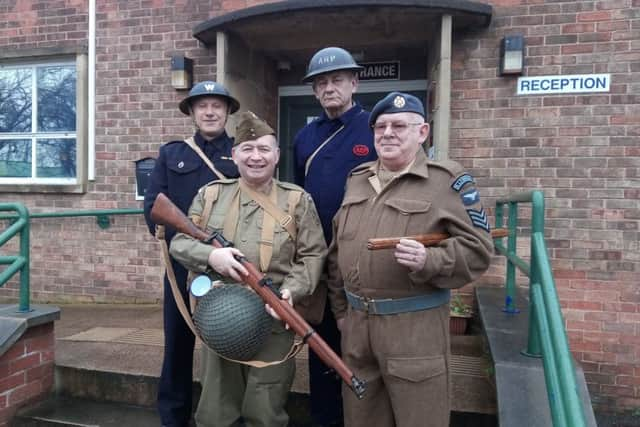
(547,336)
(21,219)
(17,262)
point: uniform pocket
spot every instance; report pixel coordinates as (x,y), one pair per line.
(351,216)
(182,167)
(408,215)
(416,369)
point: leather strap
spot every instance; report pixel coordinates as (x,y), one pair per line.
(192,143)
(268,233)
(232,216)
(307,164)
(177,295)
(283,218)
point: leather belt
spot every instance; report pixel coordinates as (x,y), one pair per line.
(398,305)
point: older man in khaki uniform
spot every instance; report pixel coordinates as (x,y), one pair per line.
(392,305)
(276,227)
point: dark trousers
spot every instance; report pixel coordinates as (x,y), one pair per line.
(324,384)
(176,380)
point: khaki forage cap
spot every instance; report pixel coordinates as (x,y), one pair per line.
(251,127)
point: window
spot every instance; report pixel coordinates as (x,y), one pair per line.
(38,123)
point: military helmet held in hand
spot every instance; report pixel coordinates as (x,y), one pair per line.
(208,88)
(330,59)
(232,321)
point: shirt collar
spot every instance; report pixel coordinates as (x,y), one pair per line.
(418,167)
(219,143)
(346,117)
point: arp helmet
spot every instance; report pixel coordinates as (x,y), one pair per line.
(231,320)
(208,88)
(330,59)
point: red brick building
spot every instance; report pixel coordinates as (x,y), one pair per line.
(86,90)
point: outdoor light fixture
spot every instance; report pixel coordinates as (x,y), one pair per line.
(512,55)
(181,72)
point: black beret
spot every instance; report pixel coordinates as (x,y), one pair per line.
(397,102)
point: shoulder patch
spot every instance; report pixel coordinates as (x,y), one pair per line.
(461,181)
(470,197)
(479,218)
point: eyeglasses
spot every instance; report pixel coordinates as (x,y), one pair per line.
(397,128)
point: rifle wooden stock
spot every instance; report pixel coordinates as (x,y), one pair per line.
(426,239)
(164,212)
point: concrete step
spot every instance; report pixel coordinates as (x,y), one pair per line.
(59,411)
(113,354)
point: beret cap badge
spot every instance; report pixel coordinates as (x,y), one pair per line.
(399,101)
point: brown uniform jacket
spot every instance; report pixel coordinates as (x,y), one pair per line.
(295,265)
(425,199)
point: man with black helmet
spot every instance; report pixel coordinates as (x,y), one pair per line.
(181,169)
(325,151)
(276,227)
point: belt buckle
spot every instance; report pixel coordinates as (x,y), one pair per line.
(369,305)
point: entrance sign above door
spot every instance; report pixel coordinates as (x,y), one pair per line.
(389,70)
(576,83)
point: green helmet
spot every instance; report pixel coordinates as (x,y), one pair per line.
(208,88)
(232,321)
(330,59)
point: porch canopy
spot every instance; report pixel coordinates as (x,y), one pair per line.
(293,30)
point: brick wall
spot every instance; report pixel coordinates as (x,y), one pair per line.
(583,151)
(26,370)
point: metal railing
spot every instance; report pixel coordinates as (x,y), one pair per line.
(20,224)
(547,336)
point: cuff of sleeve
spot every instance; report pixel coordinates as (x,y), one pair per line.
(431,268)
(200,255)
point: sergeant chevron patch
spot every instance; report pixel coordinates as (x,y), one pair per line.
(479,218)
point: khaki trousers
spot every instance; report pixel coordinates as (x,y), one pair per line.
(404,358)
(258,395)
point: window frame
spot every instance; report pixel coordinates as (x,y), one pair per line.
(55,185)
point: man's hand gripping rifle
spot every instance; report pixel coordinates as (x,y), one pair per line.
(164,212)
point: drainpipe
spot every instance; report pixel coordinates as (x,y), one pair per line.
(91,99)
(442,114)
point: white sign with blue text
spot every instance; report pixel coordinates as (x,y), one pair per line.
(576,83)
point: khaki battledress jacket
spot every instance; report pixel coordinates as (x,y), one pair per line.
(295,265)
(403,357)
(231,390)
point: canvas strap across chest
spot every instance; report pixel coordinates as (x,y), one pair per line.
(272,214)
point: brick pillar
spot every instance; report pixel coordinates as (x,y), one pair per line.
(26,370)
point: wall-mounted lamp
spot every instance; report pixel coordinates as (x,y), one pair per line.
(181,72)
(512,55)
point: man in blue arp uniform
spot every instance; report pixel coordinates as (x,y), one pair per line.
(181,169)
(325,151)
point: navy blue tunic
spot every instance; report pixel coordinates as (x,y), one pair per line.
(325,181)
(329,169)
(179,173)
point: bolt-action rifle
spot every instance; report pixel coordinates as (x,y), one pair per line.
(164,212)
